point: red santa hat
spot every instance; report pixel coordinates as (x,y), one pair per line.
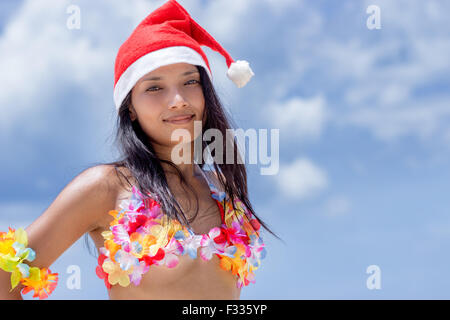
(168,35)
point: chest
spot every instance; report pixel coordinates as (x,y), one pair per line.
(198,206)
(194,278)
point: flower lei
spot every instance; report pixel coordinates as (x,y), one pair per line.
(141,235)
(13,253)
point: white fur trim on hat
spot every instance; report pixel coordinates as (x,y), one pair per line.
(152,61)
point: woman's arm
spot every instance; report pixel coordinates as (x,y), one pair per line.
(5,286)
(76,210)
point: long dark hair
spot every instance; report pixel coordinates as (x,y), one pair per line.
(139,158)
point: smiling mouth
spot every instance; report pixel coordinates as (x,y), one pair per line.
(181,121)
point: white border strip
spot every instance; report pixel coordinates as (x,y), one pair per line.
(150,62)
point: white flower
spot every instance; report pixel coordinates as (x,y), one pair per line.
(191,244)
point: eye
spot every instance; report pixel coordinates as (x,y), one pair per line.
(193,81)
(196,81)
(149,89)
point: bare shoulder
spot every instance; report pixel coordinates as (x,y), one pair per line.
(103,186)
(76,210)
(99,187)
(101,178)
(107,177)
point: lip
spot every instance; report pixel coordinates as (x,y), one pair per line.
(180,119)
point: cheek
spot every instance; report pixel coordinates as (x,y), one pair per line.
(150,119)
(148,113)
(197,99)
(149,101)
(154,128)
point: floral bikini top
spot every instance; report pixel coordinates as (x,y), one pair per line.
(141,235)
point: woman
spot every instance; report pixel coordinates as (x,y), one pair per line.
(153,243)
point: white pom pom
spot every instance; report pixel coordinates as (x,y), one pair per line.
(240,73)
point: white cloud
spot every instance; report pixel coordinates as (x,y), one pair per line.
(37,51)
(42,61)
(337,205)
(301,179)
(421,120)
(378,74)
(280,6)
(38,54)
(226,21)
(222,19)
(297,117)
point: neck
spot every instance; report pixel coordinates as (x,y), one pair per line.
(189,170)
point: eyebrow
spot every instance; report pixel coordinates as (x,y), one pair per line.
(159,78)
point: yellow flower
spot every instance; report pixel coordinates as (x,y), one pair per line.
(160,234)
(107,235)
(229,212)
(145,241)
(112,247)
(21,236)
(6,242)
(116,274)
(8,262)
(41,281)
(116,217)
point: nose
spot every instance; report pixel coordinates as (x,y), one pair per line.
(177,100)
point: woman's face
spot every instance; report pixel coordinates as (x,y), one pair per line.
(168,91)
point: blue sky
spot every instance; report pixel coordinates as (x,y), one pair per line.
(364,132)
